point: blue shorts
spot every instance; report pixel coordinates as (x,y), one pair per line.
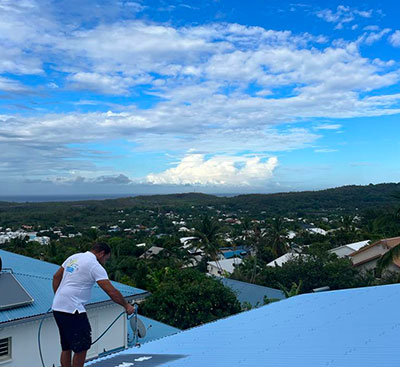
(75,331)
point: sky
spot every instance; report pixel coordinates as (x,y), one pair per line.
(215,96)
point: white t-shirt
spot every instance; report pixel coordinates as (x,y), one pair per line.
(81,271)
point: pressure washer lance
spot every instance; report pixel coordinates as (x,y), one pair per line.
(134,326)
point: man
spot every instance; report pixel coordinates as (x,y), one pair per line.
(72,285)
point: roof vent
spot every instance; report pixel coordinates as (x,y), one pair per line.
(321,289)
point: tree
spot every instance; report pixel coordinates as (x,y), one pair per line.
(187,298)
(276,237)
(207,233)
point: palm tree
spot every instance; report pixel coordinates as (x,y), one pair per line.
(207,233)
(388,258)
(294,290)
(277,237)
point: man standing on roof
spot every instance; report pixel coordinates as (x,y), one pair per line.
(72,285)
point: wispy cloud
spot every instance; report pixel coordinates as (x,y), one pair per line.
(395,39)
(343,15)
(328,127)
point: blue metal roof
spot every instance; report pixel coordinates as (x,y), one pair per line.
(347,328)
(36,277)
(252,293)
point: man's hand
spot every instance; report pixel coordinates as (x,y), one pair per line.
(129,309)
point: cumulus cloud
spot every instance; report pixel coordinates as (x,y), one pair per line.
(195,169)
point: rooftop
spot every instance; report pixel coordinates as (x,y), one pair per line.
(251,293)
(346,328)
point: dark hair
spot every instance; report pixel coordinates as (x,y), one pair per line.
(99,247)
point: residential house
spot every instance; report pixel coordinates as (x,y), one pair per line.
(152,251)
(367,257)
(283,259)
(222,267)
(19,325)
(347,250)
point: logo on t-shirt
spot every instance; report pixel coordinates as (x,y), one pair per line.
(72,265)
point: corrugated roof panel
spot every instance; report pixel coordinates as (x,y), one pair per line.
(347,328)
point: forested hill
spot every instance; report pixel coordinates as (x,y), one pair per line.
(346,199)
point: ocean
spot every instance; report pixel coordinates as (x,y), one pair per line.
(52,198)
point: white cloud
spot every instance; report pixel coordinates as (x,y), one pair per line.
(343,15)
(372,37)
(328,127)
(219,87)
(195,169)
(10,85)
(395,39)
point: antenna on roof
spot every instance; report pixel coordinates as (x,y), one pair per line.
(138,328)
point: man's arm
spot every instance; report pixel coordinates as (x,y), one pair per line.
(115,295)
(57,277)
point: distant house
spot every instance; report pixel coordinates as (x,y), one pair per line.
(219,268)
(251,293)
(19,325)
(230,252)
(346,250)
(283,259)
(315,230)
(152,251)
(367,257)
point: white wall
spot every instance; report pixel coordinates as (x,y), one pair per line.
(24,337)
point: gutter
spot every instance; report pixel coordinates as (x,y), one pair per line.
(136,297)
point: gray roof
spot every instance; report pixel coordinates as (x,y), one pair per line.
(251,293)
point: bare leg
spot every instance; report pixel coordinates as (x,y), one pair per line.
(65,358)
(79,359)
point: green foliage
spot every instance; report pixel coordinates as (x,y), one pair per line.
(187,298)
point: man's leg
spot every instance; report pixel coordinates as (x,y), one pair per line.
(79,359)
(65,358)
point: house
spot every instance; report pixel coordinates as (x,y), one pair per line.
(229,252)
(19,325)
(221,267)
(252,294)
(367,257)
(283,259)
(152,251)
(346,250)
(345,328)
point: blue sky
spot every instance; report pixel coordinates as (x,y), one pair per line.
(216,96)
